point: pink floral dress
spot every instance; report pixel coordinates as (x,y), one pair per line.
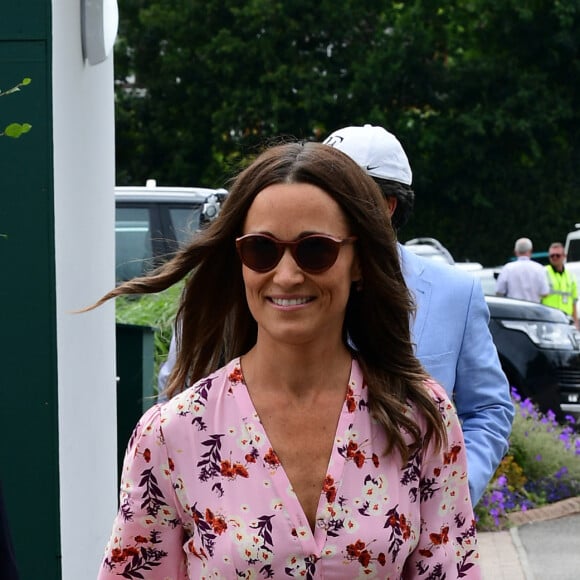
(203,495)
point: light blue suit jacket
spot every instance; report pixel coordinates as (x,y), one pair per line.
(453,342)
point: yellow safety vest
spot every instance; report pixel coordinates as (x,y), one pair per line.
(563,291)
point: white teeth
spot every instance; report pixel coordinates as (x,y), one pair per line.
(289,302)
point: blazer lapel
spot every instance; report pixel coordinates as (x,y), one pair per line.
(413,272)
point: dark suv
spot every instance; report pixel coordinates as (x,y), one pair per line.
(539,350)
(151,222)
(538,347)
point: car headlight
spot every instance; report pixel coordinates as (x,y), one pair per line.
(545,334)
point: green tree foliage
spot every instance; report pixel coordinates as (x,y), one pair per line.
(483,94)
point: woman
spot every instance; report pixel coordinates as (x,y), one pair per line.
(303,457)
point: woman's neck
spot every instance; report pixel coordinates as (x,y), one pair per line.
(297,370)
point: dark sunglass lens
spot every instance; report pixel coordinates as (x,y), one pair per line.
(259,253)
(316,254)
(555,255)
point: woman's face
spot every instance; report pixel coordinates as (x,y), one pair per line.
(289,304)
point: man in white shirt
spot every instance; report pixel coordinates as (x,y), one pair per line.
(523,279)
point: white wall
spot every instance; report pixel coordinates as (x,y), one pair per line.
(84,178)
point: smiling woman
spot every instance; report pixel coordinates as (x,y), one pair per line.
(306,288)
(321,449)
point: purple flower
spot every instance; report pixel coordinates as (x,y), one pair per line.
(501,481)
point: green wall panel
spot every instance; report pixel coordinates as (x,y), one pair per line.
(24,19)
(29,411)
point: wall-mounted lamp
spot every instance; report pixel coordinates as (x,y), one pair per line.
(99,23)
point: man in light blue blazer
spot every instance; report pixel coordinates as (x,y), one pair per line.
(450,329)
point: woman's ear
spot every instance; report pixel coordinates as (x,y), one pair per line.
(356,272)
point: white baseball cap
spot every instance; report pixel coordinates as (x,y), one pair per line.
(376,150)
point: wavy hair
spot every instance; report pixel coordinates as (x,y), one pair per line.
(215,320)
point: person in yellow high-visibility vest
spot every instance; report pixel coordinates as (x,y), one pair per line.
(563,288)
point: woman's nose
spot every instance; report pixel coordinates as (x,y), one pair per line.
(287,270)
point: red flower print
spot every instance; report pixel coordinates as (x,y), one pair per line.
(271,458)
(365,558)
(355,550)
(441,538)
(405,528)
(250,458)
(117,555)
(350,401)
(375,460)
(353,452)
(226,469)
(351,449)
(171,464)
(192,549)
(236,375)
(359,459)
(240,470)
(231,471)
(147,455)
(329,488)
(437,539)
(358,551)
(141,540)
(218,524)
(451,456)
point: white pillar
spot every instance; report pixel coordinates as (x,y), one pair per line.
(84,179)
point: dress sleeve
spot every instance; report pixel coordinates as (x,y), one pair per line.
(447,546)
(147,536)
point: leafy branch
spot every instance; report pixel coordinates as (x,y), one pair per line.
(14,130)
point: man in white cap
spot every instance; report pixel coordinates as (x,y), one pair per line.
(450,329)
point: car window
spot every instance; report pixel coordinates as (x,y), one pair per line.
(573,250)
(186,221)
(134,251)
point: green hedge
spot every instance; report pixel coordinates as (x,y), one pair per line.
(154,310)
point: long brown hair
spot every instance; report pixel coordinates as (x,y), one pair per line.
(215,322)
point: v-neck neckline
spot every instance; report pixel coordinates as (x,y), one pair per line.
(280,479)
